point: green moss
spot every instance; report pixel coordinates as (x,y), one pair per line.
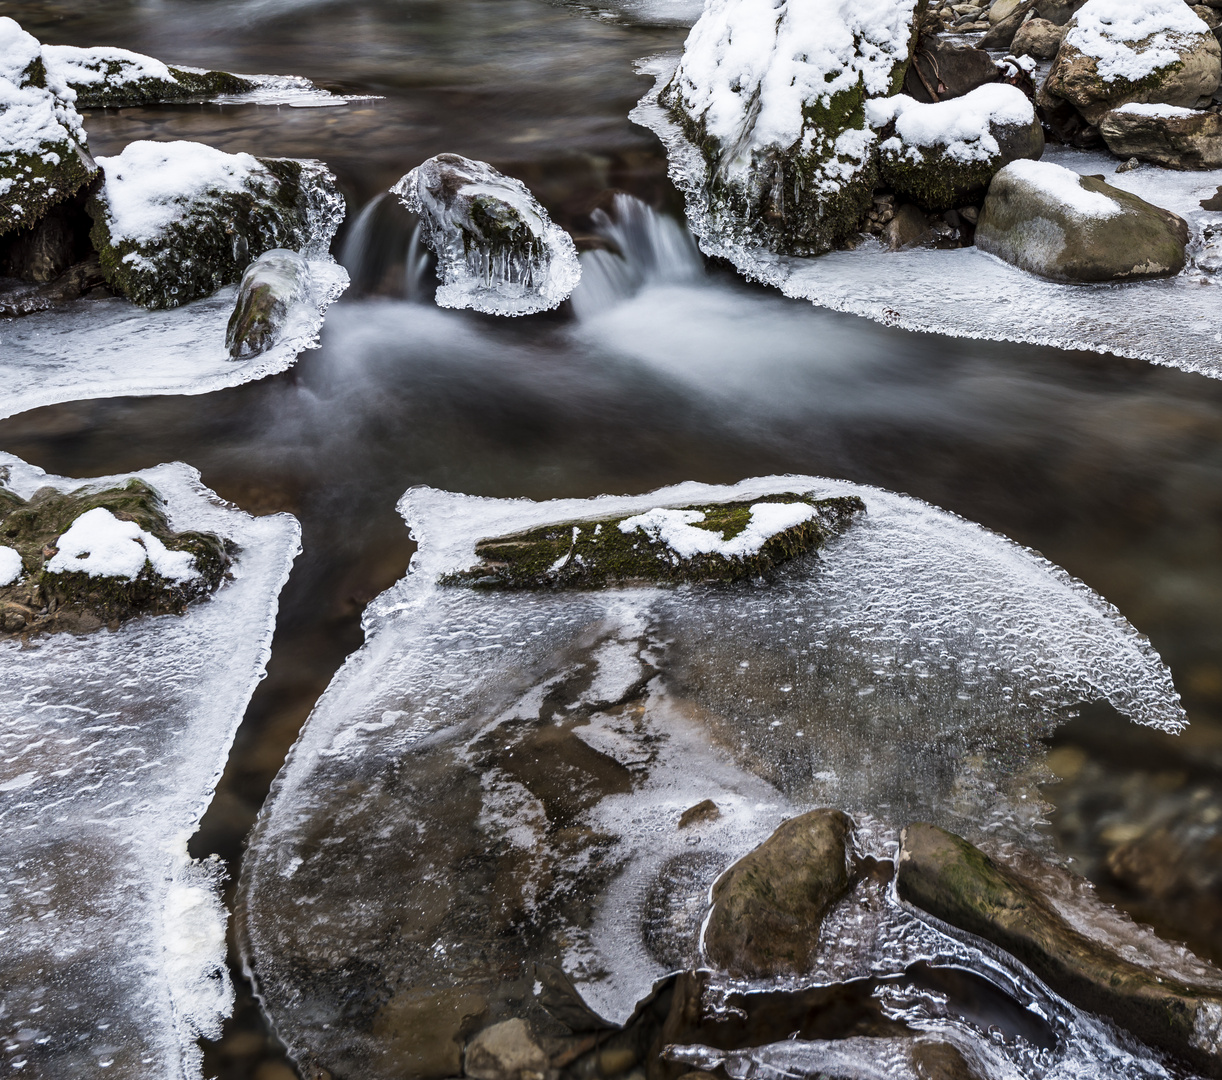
(216,238)
(42,601)
(40,181)
(594,553)
(117,91)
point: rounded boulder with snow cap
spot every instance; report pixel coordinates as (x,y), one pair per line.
(943,154)
(1050,221)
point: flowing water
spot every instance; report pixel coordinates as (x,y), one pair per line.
(662,369)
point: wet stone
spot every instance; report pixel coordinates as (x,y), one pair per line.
(271,285)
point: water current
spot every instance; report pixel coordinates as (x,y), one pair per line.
(662,369)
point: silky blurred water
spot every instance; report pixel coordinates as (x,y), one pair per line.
(1110,468)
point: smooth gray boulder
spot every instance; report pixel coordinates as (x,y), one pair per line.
(1117,51)
(1165,134)
(1050,221)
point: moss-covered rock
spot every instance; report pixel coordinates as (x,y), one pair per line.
(951,879)
(768,907)
(635,549)
(174,222)
(43,600)
(108,78)
(272,284)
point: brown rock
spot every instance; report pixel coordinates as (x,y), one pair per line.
(422,1029)
(940,71)
(1177,140)
(768,907)
(1039,38)
(909,228)
(701,812)
(505,1051)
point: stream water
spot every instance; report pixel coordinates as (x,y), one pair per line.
(661,370)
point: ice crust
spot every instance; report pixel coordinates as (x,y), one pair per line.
(961,128)
(1176,322)
(1131,39)
(906,673)
(98,544)
(112,940)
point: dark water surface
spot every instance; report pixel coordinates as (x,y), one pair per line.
(1111,468)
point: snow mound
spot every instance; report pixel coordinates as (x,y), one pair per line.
(112,939)
(98,544)
(90,67)
(678,531)
(1064,186)
(962,128)
(1131,39)
(10,565)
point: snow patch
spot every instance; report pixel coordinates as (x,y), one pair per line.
(1138,108)
(89,67)
(100,545)
(961,128)
(677,529)
(10,565)
(1130,39)
(1064,186)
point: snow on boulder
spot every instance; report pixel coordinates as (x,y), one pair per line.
(774,95)
(106,77)
(42,143)
(497,250)
(1171,136)
(1050,221)
(173,222)
(1117,51)
(943,154)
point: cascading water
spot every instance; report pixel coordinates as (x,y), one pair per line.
(384,255)
(650,249)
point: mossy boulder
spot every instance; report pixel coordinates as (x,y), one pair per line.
(1118,51)
(641,548)
(789,156)
(272,285)
(1172,137)
(44,600)
(956,882)
(109,78)
(768,907)
(944,154)
(174,222)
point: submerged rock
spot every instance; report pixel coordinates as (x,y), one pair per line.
(505,1051)
(272,284)
(1173,137)
(497,250)
(1117,51)
(174,222)
(106,77)
(93,558)
(944,154)
(946,876)
(1050,221)
(718,542)
(774,96)
(43,159)
(768,907)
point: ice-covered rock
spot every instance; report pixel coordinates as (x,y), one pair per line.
(1050,221)
(112,939)
(497,778)
(275,285)
(1174,137)
(774,96)
(497,250)
(175,221)
(43,159)
(104,77)
(1117,51)
(943,154)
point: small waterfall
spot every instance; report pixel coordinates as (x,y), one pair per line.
(653,249)
(384,255)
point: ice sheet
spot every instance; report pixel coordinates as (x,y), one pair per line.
(495,778)
(112,940)
(966,293)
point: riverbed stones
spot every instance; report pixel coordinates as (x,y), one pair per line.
(956,882)
(1166,135)
(716,542)
(272,285)
(110,78)
(1118,51)
(768,907)
(943,154)
(505,1051)
(1050,221)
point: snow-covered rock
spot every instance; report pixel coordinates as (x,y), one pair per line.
(943,154)
(43,159)
(1050,221)
(1117,51)
(497,250)
(1175,137)
(774,95)
(108,77)
(173,222)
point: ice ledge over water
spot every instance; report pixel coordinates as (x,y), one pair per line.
(1176,322)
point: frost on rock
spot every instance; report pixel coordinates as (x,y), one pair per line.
(497,250)
(112,940)
(496,778)
(43,159)
(1175,322)
(774,96)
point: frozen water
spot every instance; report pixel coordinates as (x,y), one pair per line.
(966,293)
(112,940)
(496,778)
(292,90)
